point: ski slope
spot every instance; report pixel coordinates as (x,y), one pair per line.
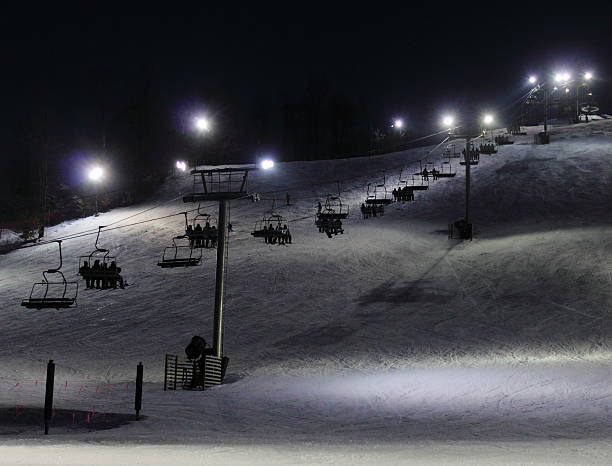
(387,344)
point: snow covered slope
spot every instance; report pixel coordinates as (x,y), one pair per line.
(373,343)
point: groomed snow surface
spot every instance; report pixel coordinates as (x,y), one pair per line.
(389,344)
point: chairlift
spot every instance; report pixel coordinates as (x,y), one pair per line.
(400,181)
(474,156)
(378,195)
(450,151)
(99,269)
(487,148)
(474,160)
(503,139)
(446,171)
(272,227)
(429,171)
(202,236)
(404,191)
(48,294)
(334,209)
(180,255)
(329,217)
(421,185)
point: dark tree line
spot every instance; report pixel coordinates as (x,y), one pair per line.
(326,124)
(139,136)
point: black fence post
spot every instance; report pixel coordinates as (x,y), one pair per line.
(49,394)
(138,399)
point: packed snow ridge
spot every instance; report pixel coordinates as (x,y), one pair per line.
(389,342)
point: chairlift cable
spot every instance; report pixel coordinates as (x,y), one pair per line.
(290,188)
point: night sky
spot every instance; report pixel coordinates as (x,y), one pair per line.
(405,62)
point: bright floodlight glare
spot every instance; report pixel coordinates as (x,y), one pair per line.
(181,165)
(488,119)
(448,121)
(588,75)
(398,123)
(566,90)
(267,164)
(558,77)
(532,79)
(202,124)
(95,173)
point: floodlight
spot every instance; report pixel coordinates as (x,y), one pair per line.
(448,121)
(398,123)
(95,173)
(532,79)
(181,165)
(588,75)
(266,164)
(487,119)
(202,124)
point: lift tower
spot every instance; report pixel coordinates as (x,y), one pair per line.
(468,132)
(223,185)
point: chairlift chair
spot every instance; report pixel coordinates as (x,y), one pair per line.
(448,173)
(261,226)
(473,161)
(334,209)
(404,191)
(503,139)
(488,148)
(420,186)
(378,195)
(474,156)
(48,294)
(103,273)
(450,152)
(433,171)
(271,227)
(205,237)
(180,255)
(400,181)
(329,218)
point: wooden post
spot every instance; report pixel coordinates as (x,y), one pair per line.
(49,394)
(138,398)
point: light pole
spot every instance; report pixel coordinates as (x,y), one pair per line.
(587,77)
(202,125)
(180,166)
(398,125)
(487,121)
(558,78)
(95,174)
